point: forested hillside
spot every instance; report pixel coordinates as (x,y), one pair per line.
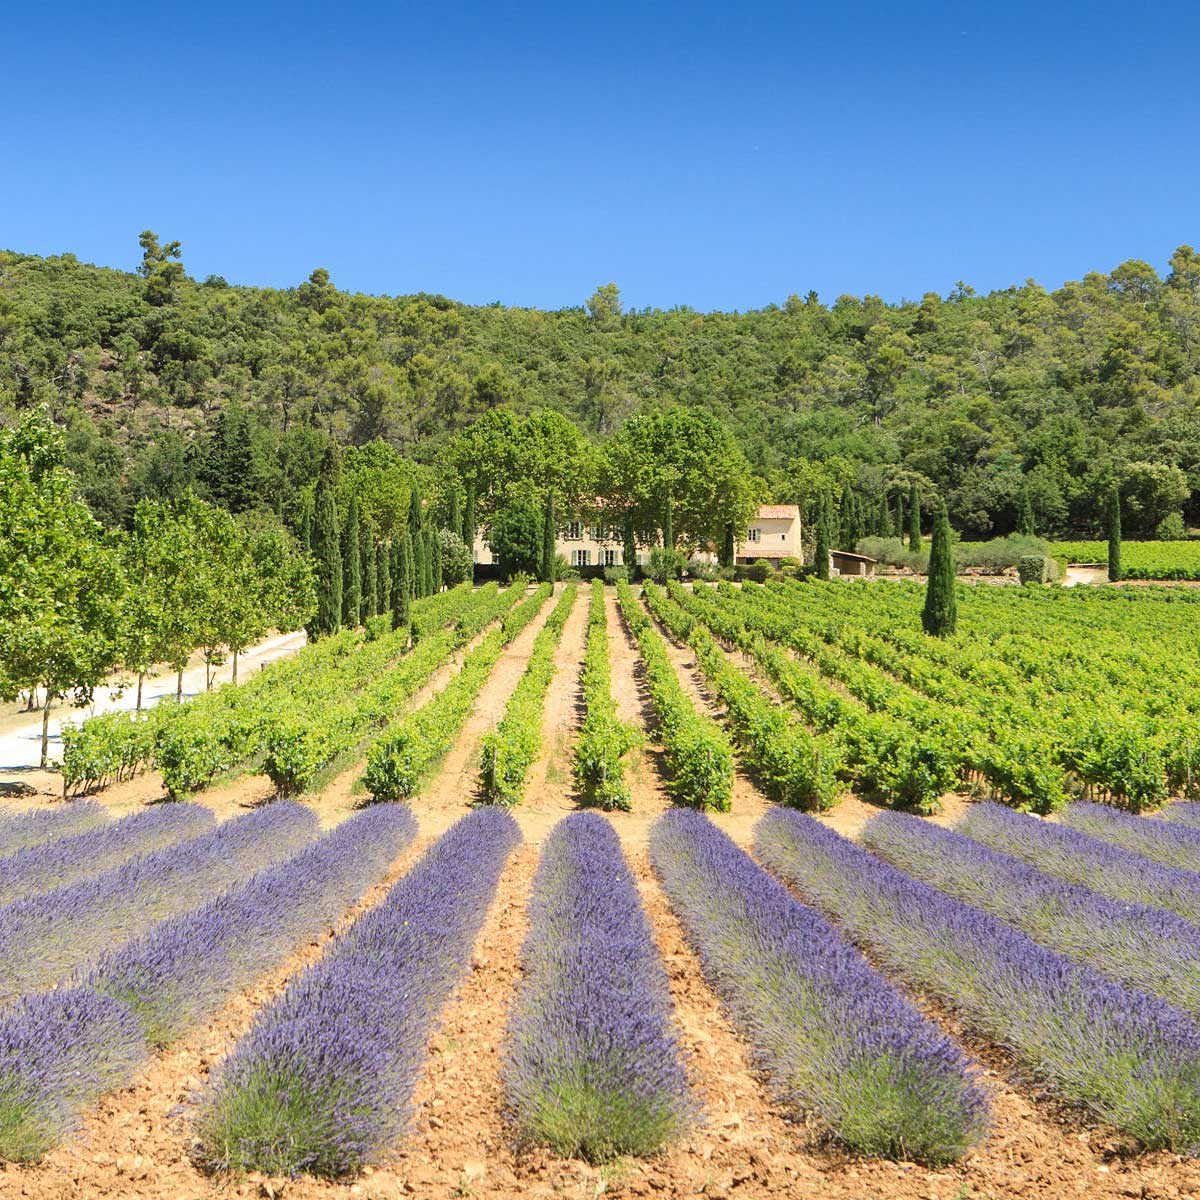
(984,399)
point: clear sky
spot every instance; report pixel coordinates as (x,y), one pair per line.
(711,154)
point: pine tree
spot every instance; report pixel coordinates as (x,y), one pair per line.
(728,547)
(227,467)
(327,551)
(629,547)
(821,550)
(1115,574)
(914,520)
(402,579)
(352,566)
(1025,522)
(549,549)
(384,558)
(940,615)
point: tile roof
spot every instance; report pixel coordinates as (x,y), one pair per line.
(778,510)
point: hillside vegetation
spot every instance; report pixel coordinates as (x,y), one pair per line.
(983,399)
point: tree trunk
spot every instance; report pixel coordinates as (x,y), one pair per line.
(46,732)
(235,658)
(141,680)
(179,686)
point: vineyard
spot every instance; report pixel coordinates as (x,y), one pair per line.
(1140,560)
(570,890)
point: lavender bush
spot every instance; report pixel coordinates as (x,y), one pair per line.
(21,829)
(39,869)
(323,1081)
(1135,944)
(1131,1059)
(156,988)
(1077,858)
(1186,812)
(832,1036)
(44,938)
(592,1065)
(1170,843)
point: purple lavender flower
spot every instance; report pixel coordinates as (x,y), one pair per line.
(323,1081)
(1083,860)
(1186,812)
(156,988)
(19,830)
(1171,843)
(43,939)
(592,1064)
(831,1035)
(55,864)
(1132,943)
(1131,1059)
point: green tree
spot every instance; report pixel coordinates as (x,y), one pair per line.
(914,520)
(61,585)
(327,551)
(1025,522)
(549,558)
(728,546)
(515,538)
(629,546)
(420,565)
(940,614)
(227,468)
(468,524)
(455,558)
(822,547)
(402,592)
(435,561)
(384,576)
(161,268)
(352,593)
(1115,574)
(370,571)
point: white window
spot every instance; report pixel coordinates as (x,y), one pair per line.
(574,531)
(610,558)
(754,534)
(581,558)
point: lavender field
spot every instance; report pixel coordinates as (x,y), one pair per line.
(430,973)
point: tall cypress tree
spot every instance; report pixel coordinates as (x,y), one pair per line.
(419,571)
(370,571)
(883,517)
(327,550)
(940,615)
(453,511)
(821,550)
(1115,573)
(728,546)
(549,533)
(352,566)
(914,520)
(402,579)
(384,558)
(468,520)
(433,563)
(416,516)
(1025,521)
(898,527)
(629,547)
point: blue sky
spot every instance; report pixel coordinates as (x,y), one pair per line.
(714,155)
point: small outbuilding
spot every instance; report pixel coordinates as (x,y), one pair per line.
(846,562)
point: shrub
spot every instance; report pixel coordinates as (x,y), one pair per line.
(1034,568)
(700,568)
(664,564)
(1171,528)
(615,574)
(376,627)
(456,558)
(760,570)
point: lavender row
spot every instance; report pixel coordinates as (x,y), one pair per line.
(39,869)
(592,1065)
(832,1036)
(1170,843)
(1073,856)
(323,1081)
(1144,947)
(154,990)
(1186,812)
(43,939)
(1130,1059)
(20,830)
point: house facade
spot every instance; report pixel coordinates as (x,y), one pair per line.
(773,534)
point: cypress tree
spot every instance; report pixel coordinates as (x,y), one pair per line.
(629,547)
(549,529)
(1115,574)
(940,615)
(327,551)
(385,577)
(468,521)
(370,571)
(352,566)
(402,579)
(821,550)
(883,517)
(431,572)
(898,525)
(914,520)
(435,561)
(306,525)
(728,550)
(1025,522)
(454,512)
(416,517)
(418,565)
